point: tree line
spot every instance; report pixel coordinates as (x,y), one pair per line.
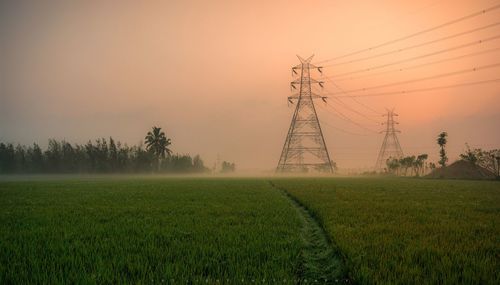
(416,165)
(100,156)
(408,165)
(488,159)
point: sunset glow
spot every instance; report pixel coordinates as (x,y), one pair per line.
(215,74)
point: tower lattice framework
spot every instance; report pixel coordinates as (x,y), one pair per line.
(305,147)
(390,146)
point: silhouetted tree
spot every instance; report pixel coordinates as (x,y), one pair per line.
(198,165)
(471,156)
(113,155)
(20,159)
(489,159)
(442,140)
(419,163)
(400,166)
(100,156)
(228,167)
(157,142)
(393,165)
(7,158)
(35,158)
(53,156)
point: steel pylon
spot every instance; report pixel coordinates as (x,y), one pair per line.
(304,148)
(390,146)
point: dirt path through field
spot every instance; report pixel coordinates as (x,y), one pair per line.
(321,261)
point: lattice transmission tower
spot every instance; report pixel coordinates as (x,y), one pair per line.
(390,146)
(305,147)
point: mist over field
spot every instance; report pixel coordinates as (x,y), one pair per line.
(217,80)
(249,142)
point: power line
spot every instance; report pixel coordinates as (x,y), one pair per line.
(346,106)
(421,79)
(346,118)
(497,80)
(419,56)
(479,13)
(354,110)
(422,65)
(354,99)
(323,122)
(414,46)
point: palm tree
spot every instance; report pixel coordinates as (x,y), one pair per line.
(441,140)
(420,163)
(158,143)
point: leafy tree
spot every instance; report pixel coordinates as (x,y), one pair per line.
(180,163)
(53,156)
(142,159)
(469,155)
(393,165)
(419,164)
(198,165)
(442,140)
(432,166)
(69,162)
(123,157)
(157,143)
(100,156)
(7,158)
(113,155)
(406,162)
(489,159)
(492,161)
(35,158)
(402,165)
(101,152)
(20,159)
(228,167)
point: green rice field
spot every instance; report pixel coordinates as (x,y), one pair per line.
(151,230)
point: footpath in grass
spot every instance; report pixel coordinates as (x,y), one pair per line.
(321,261)
(147,231)
(408,231)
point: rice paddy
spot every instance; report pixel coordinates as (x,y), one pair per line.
(154,230)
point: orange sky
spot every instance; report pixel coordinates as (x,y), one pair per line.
(215,74)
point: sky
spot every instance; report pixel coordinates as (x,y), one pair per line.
(215,75)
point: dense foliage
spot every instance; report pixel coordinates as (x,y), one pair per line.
(489,159)
(409,165)
(100,156)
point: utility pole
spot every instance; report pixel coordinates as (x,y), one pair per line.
(390,146)
(304,148)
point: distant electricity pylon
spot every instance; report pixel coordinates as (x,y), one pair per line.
(305,147)
(390,147)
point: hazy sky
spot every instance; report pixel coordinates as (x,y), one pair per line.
(215,74)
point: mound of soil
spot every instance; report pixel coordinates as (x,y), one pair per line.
(461,169)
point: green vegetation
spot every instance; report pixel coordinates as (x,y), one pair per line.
(441,141)
(416,165)
(321,260)
(409,231)
(112,229)
(101,156)
(488,159)
(117,231)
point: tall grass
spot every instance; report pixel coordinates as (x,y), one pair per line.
(146,231)
(409,231)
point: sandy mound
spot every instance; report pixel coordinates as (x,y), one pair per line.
(462,170)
